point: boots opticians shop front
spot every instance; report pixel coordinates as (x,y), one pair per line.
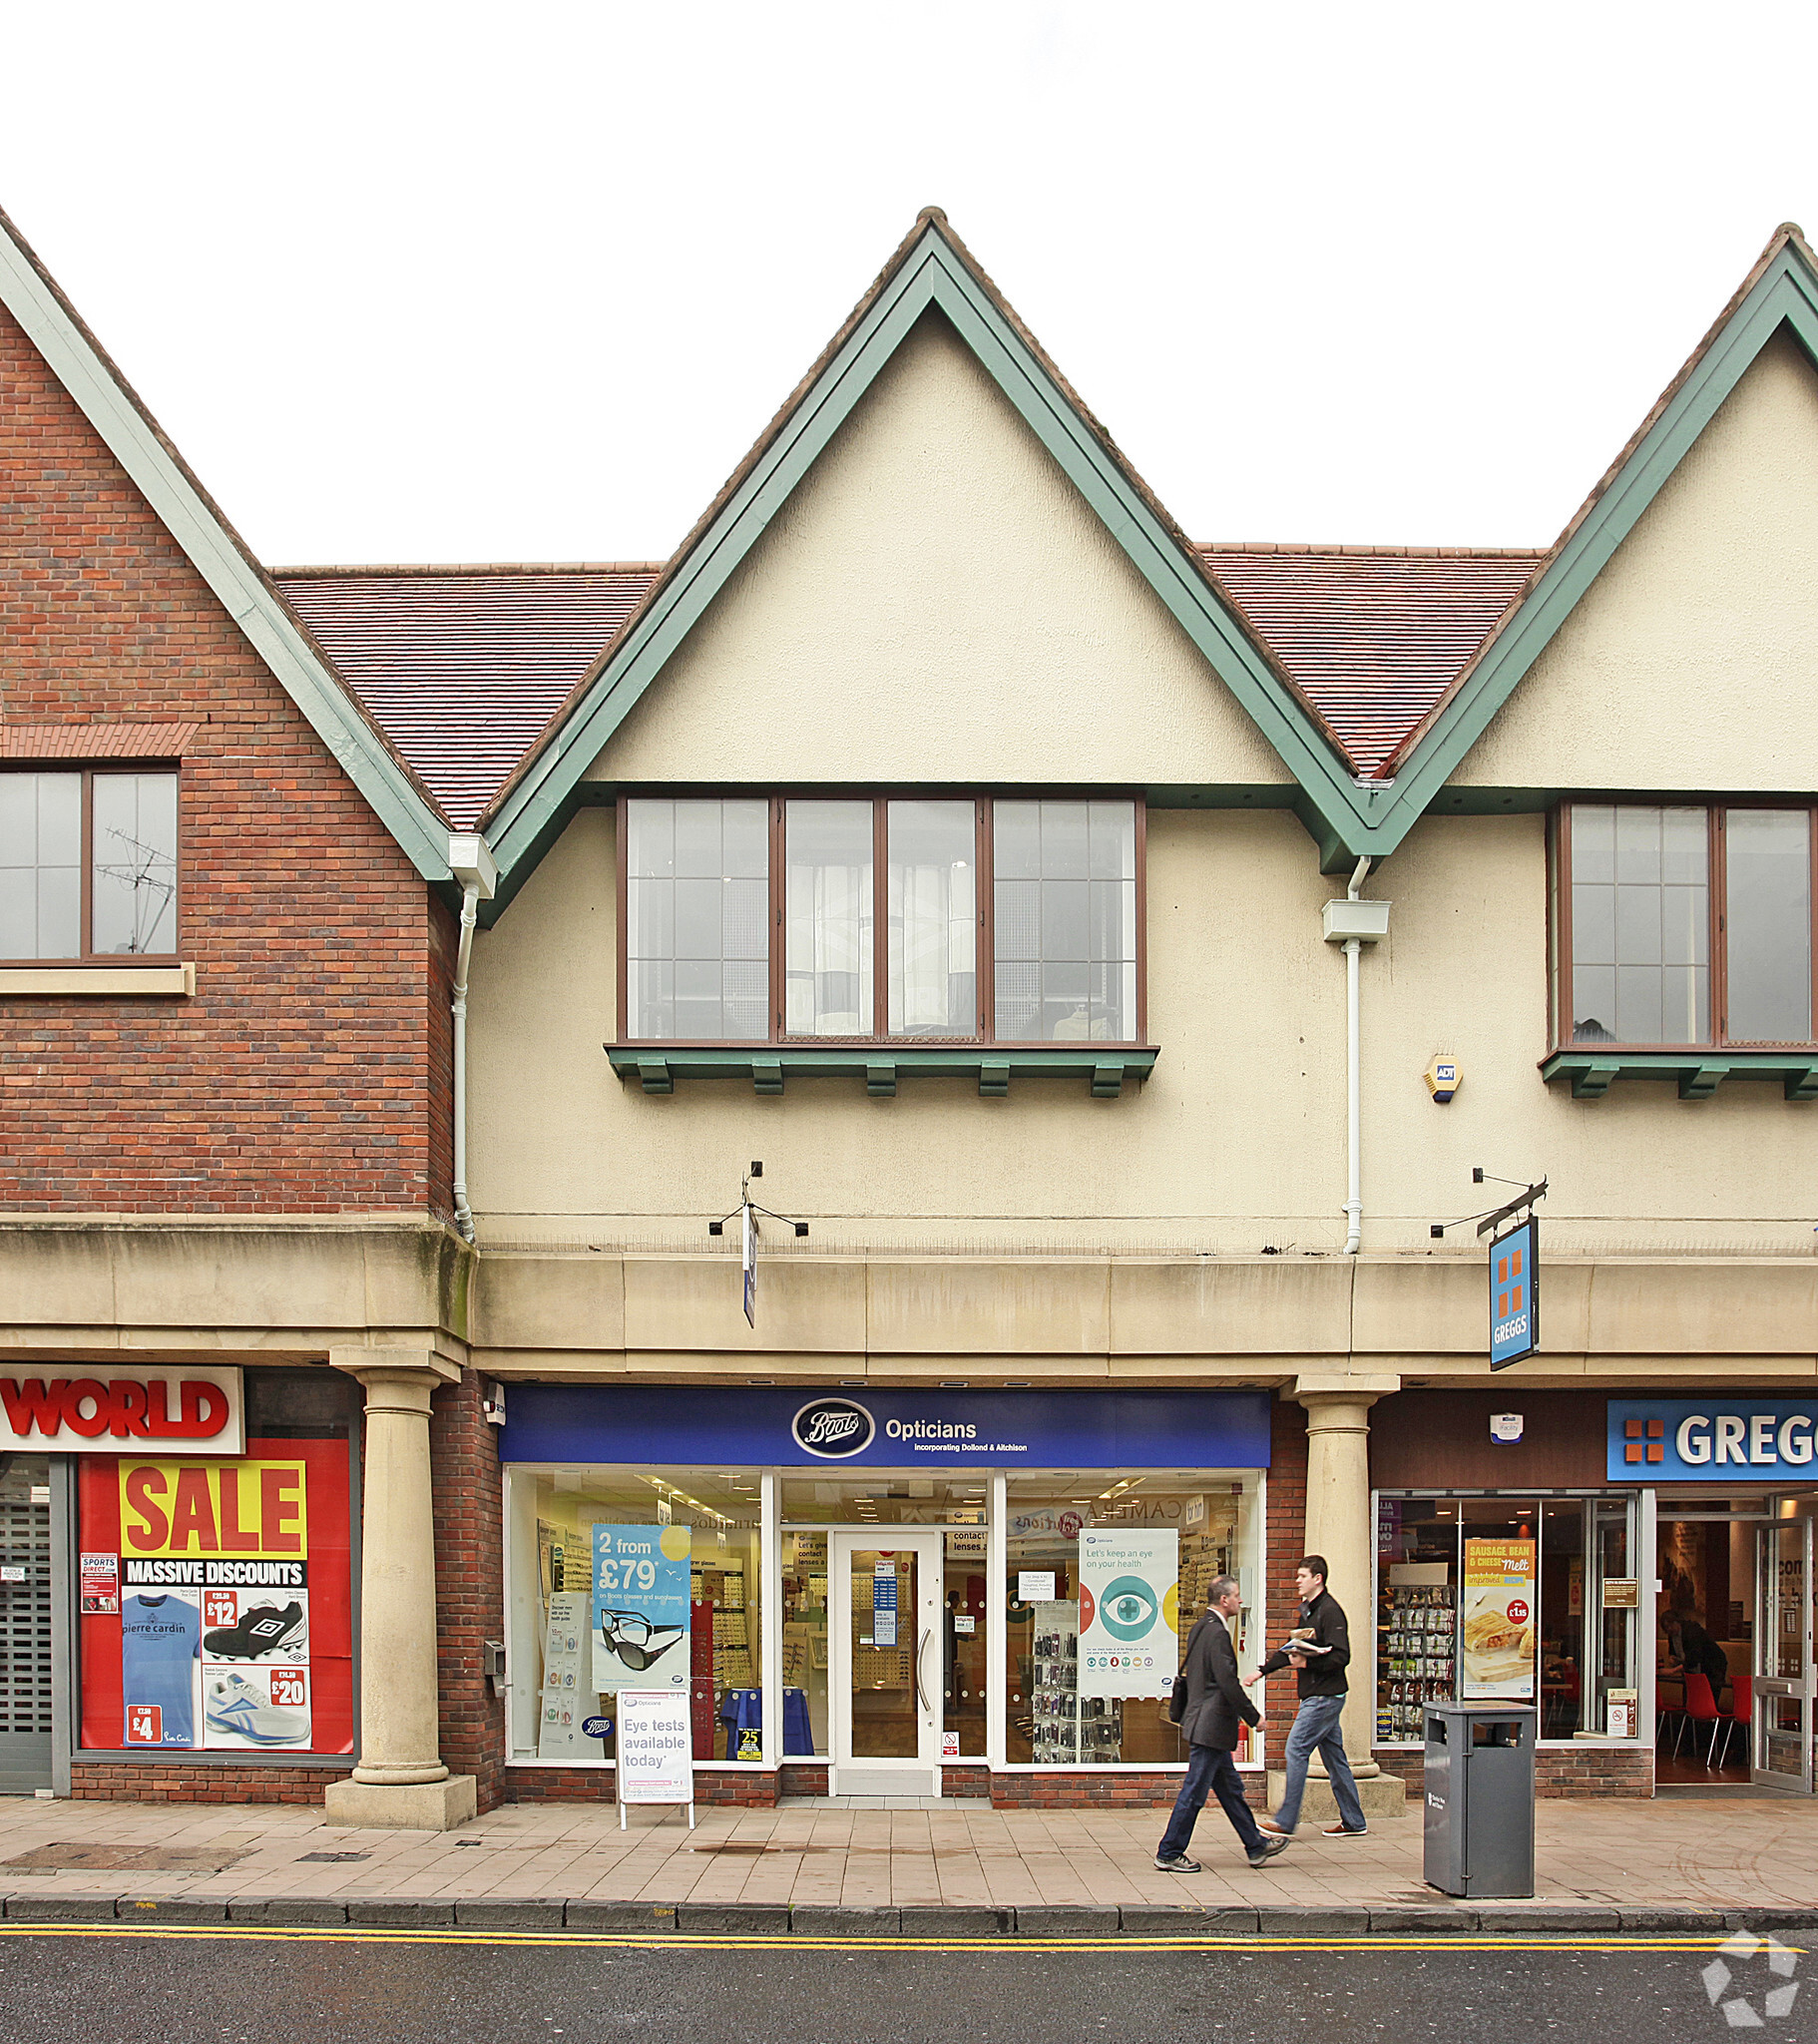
(881,1592)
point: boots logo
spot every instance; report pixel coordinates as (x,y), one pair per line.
(1777,1994)
(833,1428)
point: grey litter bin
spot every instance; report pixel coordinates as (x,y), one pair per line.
(1480,1799)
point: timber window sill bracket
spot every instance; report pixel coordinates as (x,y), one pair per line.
(767,1068)
(1698,1072)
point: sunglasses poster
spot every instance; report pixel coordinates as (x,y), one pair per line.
(641,1606)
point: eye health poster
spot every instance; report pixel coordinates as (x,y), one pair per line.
(1130,1620)
(641,1606)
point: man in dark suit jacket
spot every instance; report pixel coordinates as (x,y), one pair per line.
(1215,1706)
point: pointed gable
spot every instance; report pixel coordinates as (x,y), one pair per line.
(1757,449)
(932,269)
(938,602)
(147,501)
(1692,662)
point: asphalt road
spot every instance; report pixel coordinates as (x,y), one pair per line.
(162,1987)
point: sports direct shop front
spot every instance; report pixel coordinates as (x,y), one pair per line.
(214,1601)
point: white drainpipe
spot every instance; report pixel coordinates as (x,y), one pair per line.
(1354,922)
(472,864)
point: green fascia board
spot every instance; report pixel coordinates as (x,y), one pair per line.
(198,528)
(932,275)
(1698,1072)
(767,1068)
(1786,293)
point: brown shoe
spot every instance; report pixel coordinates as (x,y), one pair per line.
(1270,1828)
(1343,1831)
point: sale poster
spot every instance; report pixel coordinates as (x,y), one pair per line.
(1496,1631)
(641,1606)
(1128,1612)
(216,1601)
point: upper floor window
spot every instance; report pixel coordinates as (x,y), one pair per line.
(88,864)
(1684,924)
(881,918)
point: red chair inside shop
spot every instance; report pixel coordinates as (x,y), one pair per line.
(1740,1717)
(1701,1709)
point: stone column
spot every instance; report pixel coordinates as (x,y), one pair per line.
(399,1783)
(1338,1526)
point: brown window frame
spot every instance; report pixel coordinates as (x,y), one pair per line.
(87,956)
(880,799)
(1715,808)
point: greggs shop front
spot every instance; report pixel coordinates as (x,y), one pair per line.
(1638,1568)
(176,1575)
(877,1592)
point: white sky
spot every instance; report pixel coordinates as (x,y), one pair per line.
(459,282)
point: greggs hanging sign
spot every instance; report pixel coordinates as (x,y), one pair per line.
(95,1411)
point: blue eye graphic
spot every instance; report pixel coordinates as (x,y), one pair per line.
(1126,1608)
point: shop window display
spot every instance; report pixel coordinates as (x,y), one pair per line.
(215,1605)
(634,1579)
(1105,1575)
(1524,1599)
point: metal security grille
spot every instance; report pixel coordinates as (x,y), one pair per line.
(25,1640)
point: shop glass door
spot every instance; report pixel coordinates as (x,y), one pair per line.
(884,1674)
(1784,1674)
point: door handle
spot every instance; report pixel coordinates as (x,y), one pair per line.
(921,1694)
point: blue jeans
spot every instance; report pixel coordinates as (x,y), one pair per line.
(1208,1767)
(1315,1731)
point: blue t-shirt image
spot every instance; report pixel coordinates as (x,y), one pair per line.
(159,1638)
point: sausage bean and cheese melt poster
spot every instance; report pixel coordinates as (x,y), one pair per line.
(1496,1630)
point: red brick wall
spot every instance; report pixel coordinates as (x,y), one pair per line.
(470,1591)
(1084,1788)
(1558,1770)
(754,1790)
(139,1782)
(300,1078)
(1288,1526)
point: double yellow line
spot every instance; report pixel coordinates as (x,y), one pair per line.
(1480,1941)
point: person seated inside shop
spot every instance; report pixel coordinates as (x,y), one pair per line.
(1692,1649)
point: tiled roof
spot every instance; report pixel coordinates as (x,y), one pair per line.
(462,668)
(1373,637)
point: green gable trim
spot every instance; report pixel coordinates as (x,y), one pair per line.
(768,1068)
(1786,293)
(198,528)
(1698,1072)
(932,276)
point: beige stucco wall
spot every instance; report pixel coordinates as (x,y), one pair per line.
(1692,661)
(937,605)
(1242,996)
(1640,1172)
(936,602)
(1235,1144)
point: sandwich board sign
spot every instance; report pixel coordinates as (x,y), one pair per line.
(655,1759)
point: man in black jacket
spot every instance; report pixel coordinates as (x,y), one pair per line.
(1321,1677)
(1215,1705)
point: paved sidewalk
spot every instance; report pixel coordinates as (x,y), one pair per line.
(1720,1854)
